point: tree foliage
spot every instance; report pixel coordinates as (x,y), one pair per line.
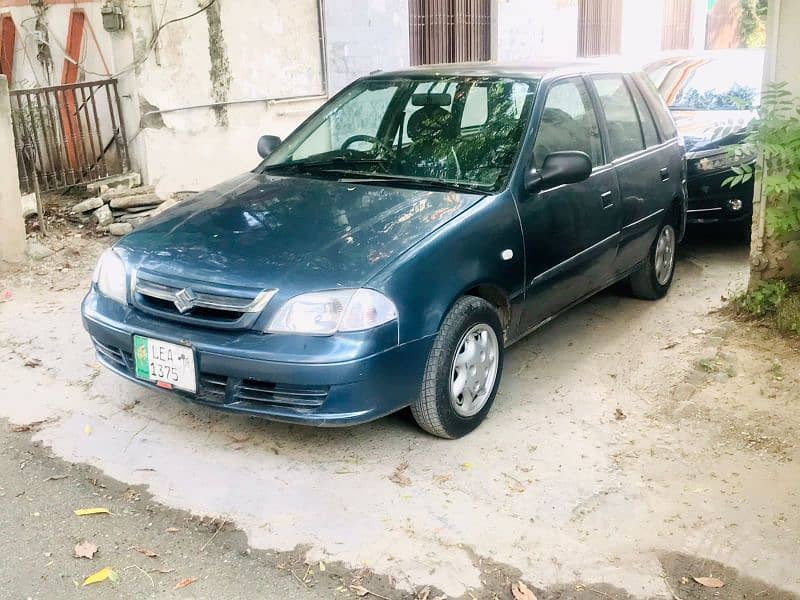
(752,23)
(776,138)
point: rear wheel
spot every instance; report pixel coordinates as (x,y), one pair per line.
(463,370)
(654,277)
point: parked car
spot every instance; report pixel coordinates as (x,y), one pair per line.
(389,250)
(714,97)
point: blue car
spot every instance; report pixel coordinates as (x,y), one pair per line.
(390,249)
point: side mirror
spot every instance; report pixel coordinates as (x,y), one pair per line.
(559,168)
(267,145)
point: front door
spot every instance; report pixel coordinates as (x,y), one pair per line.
(571,231)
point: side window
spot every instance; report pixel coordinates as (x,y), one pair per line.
(645,116)
(624,132)
(568,123)
(660,110)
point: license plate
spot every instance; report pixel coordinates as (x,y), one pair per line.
(170,366)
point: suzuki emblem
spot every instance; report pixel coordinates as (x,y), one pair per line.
(184,300)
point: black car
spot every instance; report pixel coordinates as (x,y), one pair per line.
(389,250)
(713,97)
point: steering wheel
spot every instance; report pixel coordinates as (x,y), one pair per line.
(363,137)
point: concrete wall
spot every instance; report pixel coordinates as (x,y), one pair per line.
(243,50)
(365,36)
(28,69)
(526,30)
(12,227)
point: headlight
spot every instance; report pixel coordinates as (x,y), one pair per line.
(324,313)
(110,277)
(715,160)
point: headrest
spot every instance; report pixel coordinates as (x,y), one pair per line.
(430,122)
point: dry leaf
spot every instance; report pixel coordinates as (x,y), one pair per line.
(619,415)
(520,591)
(321,566)
(82,512)
(28,427)
(359,590)
(185,582)
(87,429)
(172,530)
(399,476)
(147,552)
(466,465)
(84,550)
(709,582)
(33,363)
(102,575)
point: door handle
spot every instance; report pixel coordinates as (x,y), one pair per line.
(664,174)
(607,199)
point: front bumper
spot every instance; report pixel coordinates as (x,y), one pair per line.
(324,381)
(709,202)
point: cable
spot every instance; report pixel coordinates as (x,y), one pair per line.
(136,63)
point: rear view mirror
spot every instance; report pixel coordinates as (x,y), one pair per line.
(559,168)
(267,145)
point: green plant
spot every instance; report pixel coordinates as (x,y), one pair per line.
(764,300)
(775,137)
(787,317)
(752,23)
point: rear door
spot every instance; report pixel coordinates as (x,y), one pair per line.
(643,165)
(571,231)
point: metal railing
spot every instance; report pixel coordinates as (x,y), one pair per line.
(68,134)
(447,31)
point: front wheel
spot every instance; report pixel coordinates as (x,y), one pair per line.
(654,277)
(463,370)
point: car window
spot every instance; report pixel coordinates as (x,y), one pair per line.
(363,115)
(476,107)
(663,118)
(646,118)
(624,132)
(438,87)
(568,123)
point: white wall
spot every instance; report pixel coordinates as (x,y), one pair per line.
(527,30)
(642,27)
(364,36)
(12,227)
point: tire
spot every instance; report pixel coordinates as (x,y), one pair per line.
(470,336)
(654,277)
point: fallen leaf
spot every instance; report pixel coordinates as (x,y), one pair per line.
(520,591)
(185,582)
(399,476)
(709,582)
(670,346)
(33,363)
(619,415)
(698,331)
(87,429)
(82,512)
(466,465)
(146,551)
(322,566)
(102,575)
(28,427)
(359,590)
(84,550)
(172,530)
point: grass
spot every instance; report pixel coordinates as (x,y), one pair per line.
(775,303)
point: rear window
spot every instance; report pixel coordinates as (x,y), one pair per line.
(648,125)
(662,117)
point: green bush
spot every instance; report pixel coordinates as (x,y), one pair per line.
(765,300)
(787,316)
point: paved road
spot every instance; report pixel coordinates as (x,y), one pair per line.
(579,475)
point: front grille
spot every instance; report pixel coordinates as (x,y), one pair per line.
(198,303)
(220,389)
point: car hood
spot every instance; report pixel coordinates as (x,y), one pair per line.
(292,233)
(707,129)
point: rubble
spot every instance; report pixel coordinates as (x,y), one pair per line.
(103,216)
(29,205)
(87,205)
(38,251)
(120,228)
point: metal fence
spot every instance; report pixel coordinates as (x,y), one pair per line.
(68,134)
(446,31)
(677,33)
(599,27)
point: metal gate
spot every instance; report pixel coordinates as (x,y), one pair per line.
(447,31)
(68,134)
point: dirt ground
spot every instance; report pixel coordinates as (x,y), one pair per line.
(633,447)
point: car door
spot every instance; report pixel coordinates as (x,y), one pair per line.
(645,168)
(570,231)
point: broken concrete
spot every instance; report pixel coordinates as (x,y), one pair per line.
(102,216)
(120,229)
(29,207)
(135,201)
(87,205)
(36,250)
(124,181)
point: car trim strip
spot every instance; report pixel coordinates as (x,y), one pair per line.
(574,258)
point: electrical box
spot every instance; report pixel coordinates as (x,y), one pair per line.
(113,19)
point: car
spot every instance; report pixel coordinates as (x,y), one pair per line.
(396,243)
(714,97)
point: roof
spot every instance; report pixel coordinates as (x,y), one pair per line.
(534,70)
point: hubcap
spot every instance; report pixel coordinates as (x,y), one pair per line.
(474,370)
(665,254)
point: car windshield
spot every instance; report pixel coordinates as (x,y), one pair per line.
(455,131)
(703,83)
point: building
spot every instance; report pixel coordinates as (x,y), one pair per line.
(197,86)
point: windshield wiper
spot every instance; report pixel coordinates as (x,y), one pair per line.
(355,177)
(313,165)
